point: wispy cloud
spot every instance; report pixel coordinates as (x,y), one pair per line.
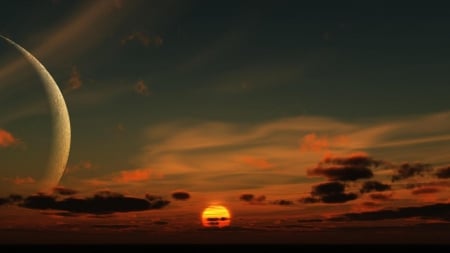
(255,162)
(136,175)
(141,88)
(74,82)
(80,166)
(311,142)
(7,139)
(21,180)
(143,38)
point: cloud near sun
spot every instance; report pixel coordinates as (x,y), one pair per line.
(276,153)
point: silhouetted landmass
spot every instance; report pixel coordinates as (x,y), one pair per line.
(101,203)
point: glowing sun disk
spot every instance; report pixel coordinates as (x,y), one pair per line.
(216,216)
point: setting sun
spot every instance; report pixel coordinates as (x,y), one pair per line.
(216,216)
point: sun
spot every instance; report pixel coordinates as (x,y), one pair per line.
(216,216)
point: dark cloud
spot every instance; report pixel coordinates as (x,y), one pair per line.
(247,197)
(346,168)
(371,186)
(13,198)
(330,192)
(380,196)
(339,198)
(434,211)
(354,160)
(282,202)
(342,173)
(156,202)
(309,200)
(181,195)
(425,190)
(328,189)
(443,172)
(408,170)
(4,201)
(64,191)
(101,203)
(252,199)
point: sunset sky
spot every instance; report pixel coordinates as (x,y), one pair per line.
(298,118)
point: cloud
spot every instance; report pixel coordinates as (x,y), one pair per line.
(443,172)
(380,196)
(64,191)
(82,165)
(143,39)
(13,198)
(309,200)
(408,170)
(252,199)
(358,159)
(328,188)
(74,82)
(181,195)
(7,139)
(314,143)
(282,202)
(370,186)
(141,88)
(434,211)
(329,192)
(247,197)
(342,173)
(156,201)
(425,190)
(258,163)
(350,168)
(23,180)
(104,202)
(137,175)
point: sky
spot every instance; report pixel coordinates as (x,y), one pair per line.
(306,121)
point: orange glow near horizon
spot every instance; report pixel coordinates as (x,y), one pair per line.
(216,216)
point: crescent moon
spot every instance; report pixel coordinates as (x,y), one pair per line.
(60,142)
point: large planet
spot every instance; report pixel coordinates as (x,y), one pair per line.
(61,133)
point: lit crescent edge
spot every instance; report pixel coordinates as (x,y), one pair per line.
(60,146)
